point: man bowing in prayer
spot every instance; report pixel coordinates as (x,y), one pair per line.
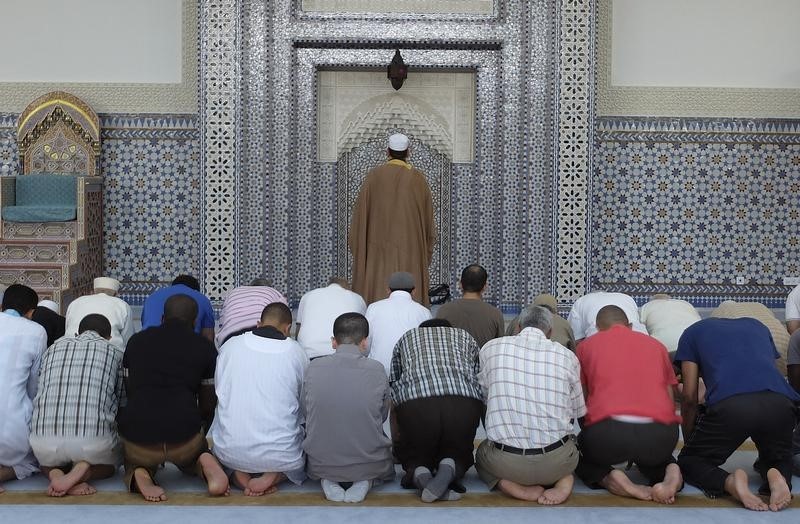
(392,227)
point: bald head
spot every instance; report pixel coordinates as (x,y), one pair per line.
(609,316)
(180,308)
(277,315)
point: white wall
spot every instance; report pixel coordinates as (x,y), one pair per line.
(706,43)
(91,41)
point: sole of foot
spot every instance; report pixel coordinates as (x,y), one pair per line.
(664,492)
(216,479)
(265,484)
(618,483)
(558,493)
(740,489)
(149,491)
(61,483)
(780,496)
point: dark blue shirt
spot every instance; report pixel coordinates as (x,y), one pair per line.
(153,308)
(735,356)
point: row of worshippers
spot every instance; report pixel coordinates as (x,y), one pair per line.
(457,463)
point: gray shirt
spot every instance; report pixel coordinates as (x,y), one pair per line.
(345,396)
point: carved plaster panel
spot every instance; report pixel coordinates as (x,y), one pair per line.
(461,7)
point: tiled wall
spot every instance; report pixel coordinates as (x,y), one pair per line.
(707,209)
(151,197)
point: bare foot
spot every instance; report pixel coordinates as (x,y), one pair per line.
(240,479)
(780,496)
(61,483)
(558,493)
(82,488)
(518,491)
(265,484)
(214,475)
(737,485)
(147,488)
(618,483)
(664,492)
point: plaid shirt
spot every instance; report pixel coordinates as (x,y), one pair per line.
(433,362)
(80,386)
(533,390)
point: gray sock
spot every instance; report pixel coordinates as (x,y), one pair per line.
(438,485)
(422,476)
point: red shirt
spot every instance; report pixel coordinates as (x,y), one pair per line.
(626,373)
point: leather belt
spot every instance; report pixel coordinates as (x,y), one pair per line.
(533,451)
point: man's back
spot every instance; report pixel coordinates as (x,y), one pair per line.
(389,319)
(533,389)
(153,308)
(584,311)
(760,312)
(667,318)
(80,385)
(116,310)
(626,373)
(316,313)
(257,426)
(392,230)
(481,320)
(165,367)
(242,309)
(22,343)
(734,356)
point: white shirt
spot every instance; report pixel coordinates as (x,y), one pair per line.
(389,319)
(584,312)
(117,311)
(257,425)
(667,318)
(318,309)
(22,343)
(793,304)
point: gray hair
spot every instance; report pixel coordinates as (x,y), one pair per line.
(536,317)
(261,282)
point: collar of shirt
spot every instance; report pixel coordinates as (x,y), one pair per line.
(349,350)
(400,295)
(532,333)
(398,162)
(12,312)
(269,332)
(90,335)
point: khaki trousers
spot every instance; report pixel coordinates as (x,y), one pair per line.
(546,469)
(150,456)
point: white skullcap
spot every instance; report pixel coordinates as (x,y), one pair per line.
(398,142)
(106,283)
(49,304)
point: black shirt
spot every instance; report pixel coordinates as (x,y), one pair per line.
(53,323)
(165,366)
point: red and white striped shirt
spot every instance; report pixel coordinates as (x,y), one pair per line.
(532,387)
(242,309)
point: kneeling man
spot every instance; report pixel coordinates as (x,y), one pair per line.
(346,400)
(747,397)
(533,395)
(73,428)
(629,385)
(258,428)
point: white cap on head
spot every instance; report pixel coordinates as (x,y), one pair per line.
(49,304)
(106,283)
(398,142)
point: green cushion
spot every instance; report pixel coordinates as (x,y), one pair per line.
(47,190)
(39,213)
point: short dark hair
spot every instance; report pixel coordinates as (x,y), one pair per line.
(611,315)
(436,322)
(398,155)
(97,323)
(350,328)
(188,281)
(276,314)
(473,278)
(181,308)
(20,298)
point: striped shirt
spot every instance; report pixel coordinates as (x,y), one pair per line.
(242,309)
(433,362)
(533,390)
(80,386)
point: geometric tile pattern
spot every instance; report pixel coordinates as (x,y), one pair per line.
(260,59)
(151,196)
(704,209)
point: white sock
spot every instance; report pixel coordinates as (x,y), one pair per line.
(358,491)
(333,491)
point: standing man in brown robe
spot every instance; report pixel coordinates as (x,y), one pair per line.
(392,227)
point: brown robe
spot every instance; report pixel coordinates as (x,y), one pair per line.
(392,230)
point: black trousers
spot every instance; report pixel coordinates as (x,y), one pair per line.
(434,428)
(766,417)
(610,442)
